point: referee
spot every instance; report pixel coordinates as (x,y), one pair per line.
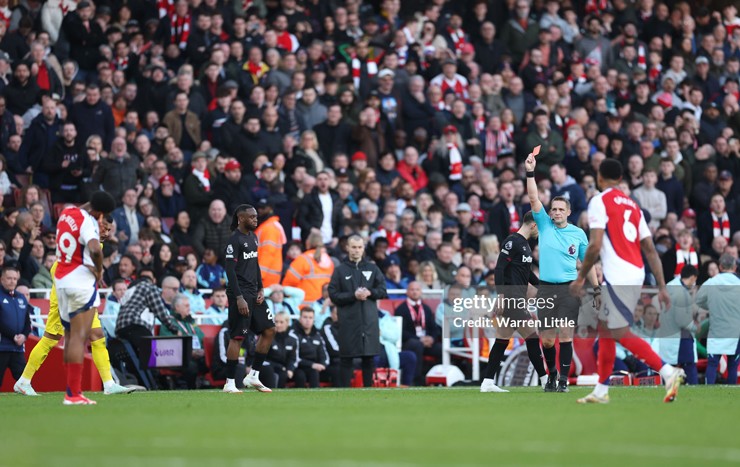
(562,247)
(513,272)
(247,308)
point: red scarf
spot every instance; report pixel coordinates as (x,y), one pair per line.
(455,162)
(514,224)
(165,8)
(42,78)
(641,61)
(395,240)
(495,141)
(721,226)
(596,6)
(419,318)
(458,39)
(372,70)
(682,260)
(121,63)
(480,124)
(180,30)
(5,14)
(286,41)
(63,7)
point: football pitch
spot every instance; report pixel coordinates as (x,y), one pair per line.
(429,426)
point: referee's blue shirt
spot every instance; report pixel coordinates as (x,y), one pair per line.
(559,249)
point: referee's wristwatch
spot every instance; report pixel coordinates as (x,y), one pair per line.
(597,290)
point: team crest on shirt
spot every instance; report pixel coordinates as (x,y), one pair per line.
(229,250)
(246,245)
(572,249)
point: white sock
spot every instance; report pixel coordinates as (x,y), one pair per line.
(255,373)
(666,371)
(601,390)
(23,380)
(230,382)
(108,384)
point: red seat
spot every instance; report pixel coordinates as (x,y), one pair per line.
(210,334)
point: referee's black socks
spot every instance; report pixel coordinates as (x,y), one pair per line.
(535,355)
(495,357)
(566,357)
(550,357)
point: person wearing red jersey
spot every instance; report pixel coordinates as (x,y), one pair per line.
(620,235)
(79,269)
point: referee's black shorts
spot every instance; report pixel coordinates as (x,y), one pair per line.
(560,304)
(259,319)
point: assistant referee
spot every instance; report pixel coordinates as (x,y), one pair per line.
(562,246)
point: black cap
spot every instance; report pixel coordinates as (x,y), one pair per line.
(261,203)
(182,260)
(83,4)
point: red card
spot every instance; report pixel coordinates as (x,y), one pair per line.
(536,150)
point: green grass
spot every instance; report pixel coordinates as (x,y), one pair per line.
(373,427)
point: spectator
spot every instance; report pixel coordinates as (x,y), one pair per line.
(15,324)
(564,185)
(189,288)
(219,308)
(677,325)
(119,171)
(113,306)
(410,170)
(197,187)
(128,220)
(650,198)
(552,151)
(170,203)
(40,138)
(420,332)
(332,134)
(288,299)
(715,223)
(231,188)
(211,275)
(92,116)
(66,165)
(142,304)
(42,279)
(320,212)
(186,327)
(312,350)
(183,124)
(181,230)
(393,276)
(213,231)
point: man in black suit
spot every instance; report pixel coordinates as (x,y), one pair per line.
(421,334)
(321,204)
(505,216)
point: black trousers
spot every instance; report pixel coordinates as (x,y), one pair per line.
(133,334)
(348,371)
(415,345)
(16,361)
(304,375)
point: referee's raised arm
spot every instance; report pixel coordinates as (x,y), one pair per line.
(529,164)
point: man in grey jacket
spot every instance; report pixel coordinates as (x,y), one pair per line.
(676,345)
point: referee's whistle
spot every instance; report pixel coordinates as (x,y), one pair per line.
(536,150)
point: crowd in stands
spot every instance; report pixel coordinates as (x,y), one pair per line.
(406,122)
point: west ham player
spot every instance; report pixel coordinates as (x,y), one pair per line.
(562,245)
(247,308)
(79,269)
(54,332)
(620,234)
(513,272)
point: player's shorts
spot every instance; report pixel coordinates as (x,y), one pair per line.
(53,321)
(560,306)
(75,301)
(260,318)
(619,303)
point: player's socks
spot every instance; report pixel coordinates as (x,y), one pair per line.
(566,357)
(642,350)
(550,357)
(605,361)
(535,356)
(231,369)
(37,357)
(102,361)
(495,357)
(259,360)
(601,390)
(666,371)
(74,379)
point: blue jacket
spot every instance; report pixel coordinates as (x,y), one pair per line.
(94,120)
(14,319)
(119,216)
